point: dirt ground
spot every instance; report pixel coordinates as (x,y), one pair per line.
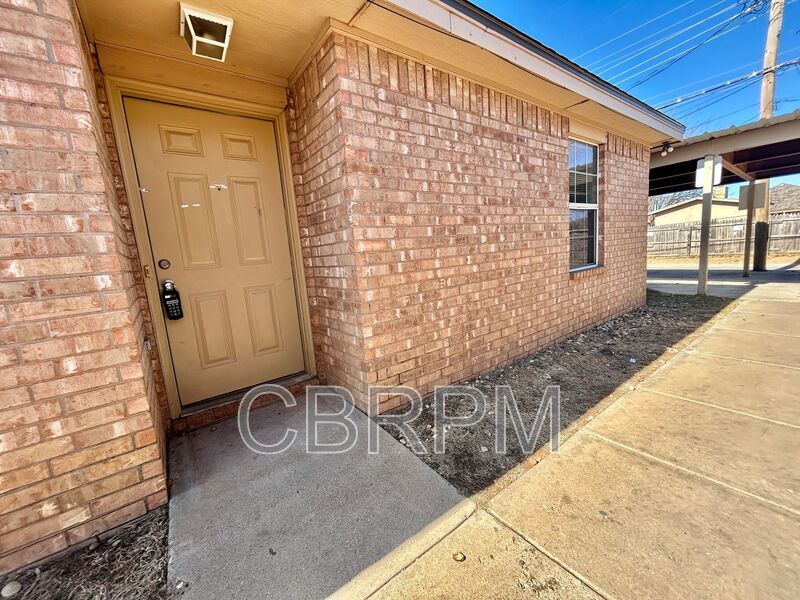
(588,368)
(129,565)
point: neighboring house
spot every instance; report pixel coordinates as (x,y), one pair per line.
(690,211)
(401,195)
(784,198)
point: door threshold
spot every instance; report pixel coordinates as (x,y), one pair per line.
(223,400)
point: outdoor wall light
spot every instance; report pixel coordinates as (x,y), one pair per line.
(207,34)
(666,148)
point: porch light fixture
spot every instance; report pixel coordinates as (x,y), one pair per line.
(666,148)
(207,34)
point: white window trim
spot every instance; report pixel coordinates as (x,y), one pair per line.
(595,207)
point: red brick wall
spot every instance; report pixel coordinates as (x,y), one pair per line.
(127,247)
(323,189)
(450,221)
(79,427)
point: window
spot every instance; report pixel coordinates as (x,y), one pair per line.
(583,204)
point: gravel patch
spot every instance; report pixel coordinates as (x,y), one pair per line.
(131,565)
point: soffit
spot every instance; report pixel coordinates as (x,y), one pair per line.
(269,36)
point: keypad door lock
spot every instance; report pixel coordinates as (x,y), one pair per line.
(171,300)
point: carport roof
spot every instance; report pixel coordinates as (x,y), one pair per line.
(762,149)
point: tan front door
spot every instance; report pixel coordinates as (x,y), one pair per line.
(214,207)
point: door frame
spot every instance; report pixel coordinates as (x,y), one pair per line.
(118,88)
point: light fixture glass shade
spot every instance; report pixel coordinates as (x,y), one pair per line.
(207,35)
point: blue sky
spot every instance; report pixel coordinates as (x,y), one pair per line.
(575,28)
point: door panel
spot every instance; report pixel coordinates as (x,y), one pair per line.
(212,328)
(262,312)
(214,210)
(248,207)
(239,147)
(194,218)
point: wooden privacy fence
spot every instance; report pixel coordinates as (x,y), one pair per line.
(727,236)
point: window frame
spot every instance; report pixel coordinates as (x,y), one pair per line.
(595,207)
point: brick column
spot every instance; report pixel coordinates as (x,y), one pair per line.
(323,188)
(81,445)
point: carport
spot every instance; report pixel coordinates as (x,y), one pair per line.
(748,153)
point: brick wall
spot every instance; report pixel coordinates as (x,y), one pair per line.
(151,366)
(323,189)
(444,221)
(79,426)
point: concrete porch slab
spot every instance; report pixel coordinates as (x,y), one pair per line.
(763,390)
(638,528)
(739,450)
(292,525)
(498,564)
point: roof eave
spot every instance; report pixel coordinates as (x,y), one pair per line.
(473,24)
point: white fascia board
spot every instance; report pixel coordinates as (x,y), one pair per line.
(461,26)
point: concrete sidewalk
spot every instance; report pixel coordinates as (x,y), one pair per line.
(687,487)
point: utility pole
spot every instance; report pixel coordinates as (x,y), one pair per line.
(761,246)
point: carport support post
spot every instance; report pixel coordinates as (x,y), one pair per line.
(761,245)
(748,189)
(705,223)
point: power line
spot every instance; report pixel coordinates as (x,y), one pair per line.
(651,99)
(708,91)
(609,15)
(778,101)
(722,85)
(717,118)
(722,28)
(685,111)
(686,41)
(703,92)
(616,62)
(720,99)
(754,7)
(634,29)
(663,29)
(703,101)
(713,36)
(682,111)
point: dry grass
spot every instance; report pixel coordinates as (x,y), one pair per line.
(130,565)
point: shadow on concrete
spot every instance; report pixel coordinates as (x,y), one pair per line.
(724,279)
